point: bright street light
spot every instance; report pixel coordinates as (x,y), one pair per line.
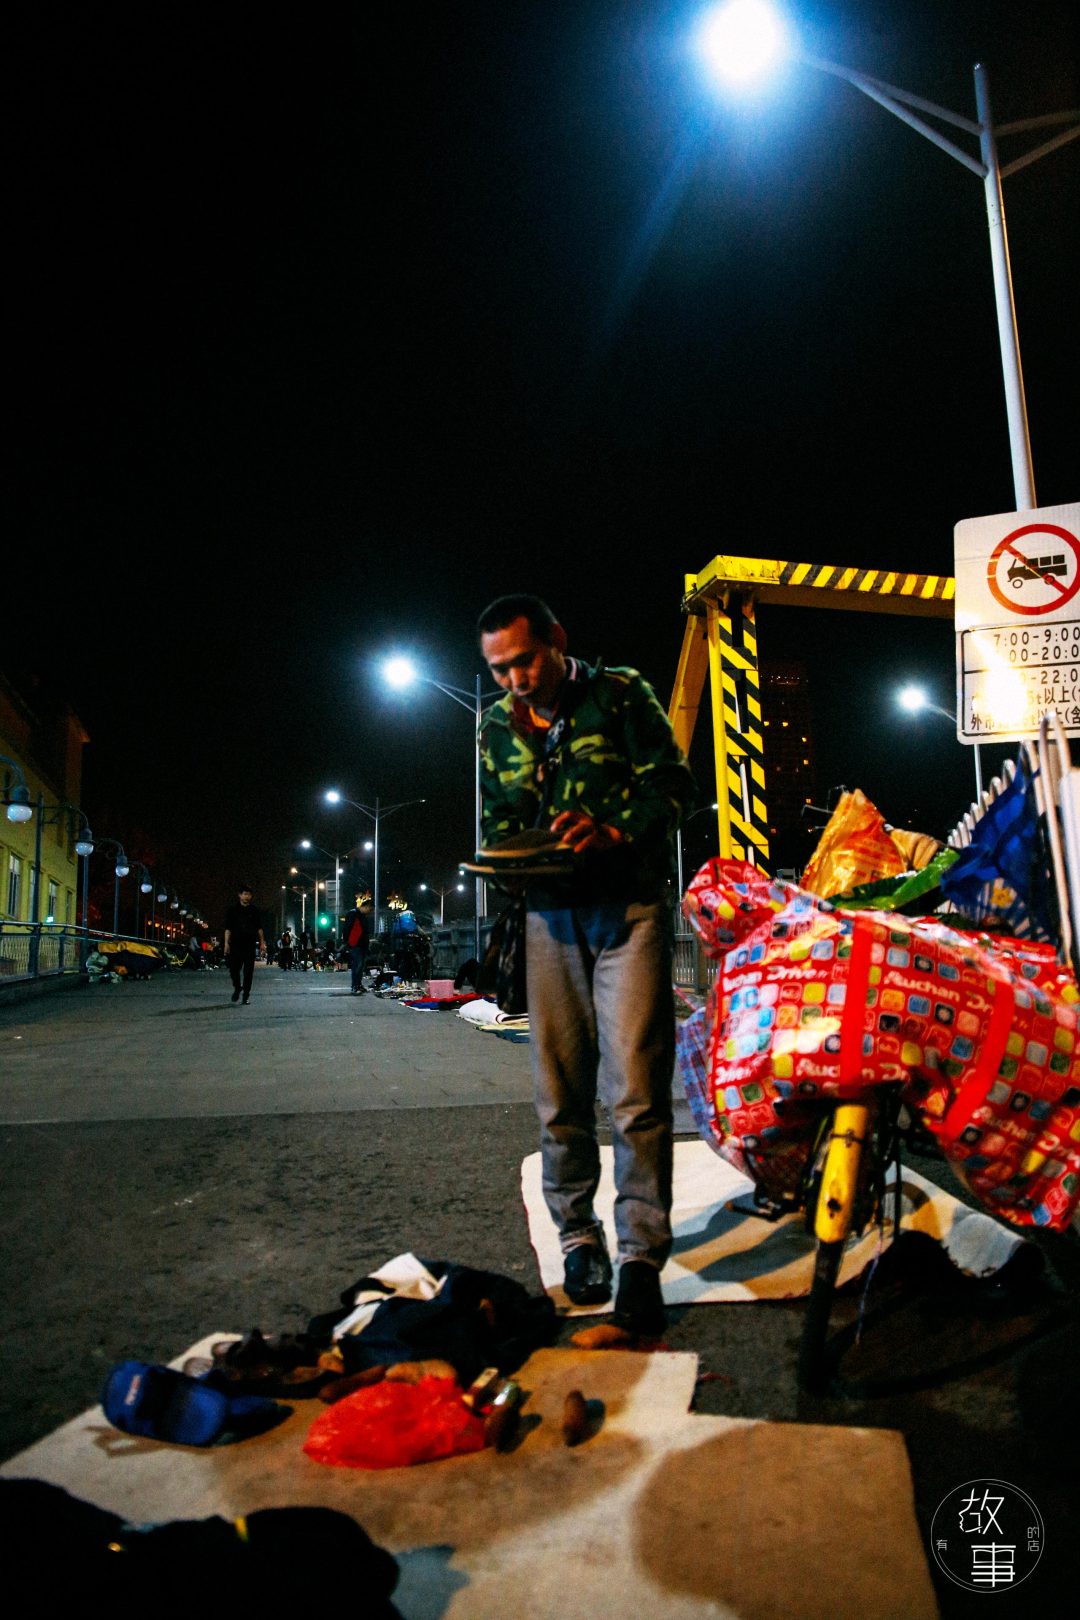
(400,673)
(741,40)
(456,888)
(375,813)
(914,110)
(306,844)
(914,699)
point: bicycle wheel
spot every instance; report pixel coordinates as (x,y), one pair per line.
(813,1365)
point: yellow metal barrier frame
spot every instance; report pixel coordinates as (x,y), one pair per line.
(727,591)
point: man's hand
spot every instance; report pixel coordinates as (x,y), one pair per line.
(583,834)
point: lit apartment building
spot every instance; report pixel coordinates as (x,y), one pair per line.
(46,739)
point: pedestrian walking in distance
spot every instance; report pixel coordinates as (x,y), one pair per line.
(589,753)
(243,937)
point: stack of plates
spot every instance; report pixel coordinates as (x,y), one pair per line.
(534,853)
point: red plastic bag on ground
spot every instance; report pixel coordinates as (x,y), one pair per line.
(391,1425)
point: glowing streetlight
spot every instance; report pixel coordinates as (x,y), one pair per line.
(399,673)
(735,36)
(456,888)
(913,699)
(741,40)
(375,813)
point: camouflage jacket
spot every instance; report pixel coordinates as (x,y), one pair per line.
(617,761)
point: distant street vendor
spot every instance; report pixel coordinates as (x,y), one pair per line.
(589,753)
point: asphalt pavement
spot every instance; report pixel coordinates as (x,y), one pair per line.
(177,1165)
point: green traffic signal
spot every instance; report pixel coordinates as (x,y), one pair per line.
(323,921)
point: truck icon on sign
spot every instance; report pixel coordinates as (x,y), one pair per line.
(1035,568)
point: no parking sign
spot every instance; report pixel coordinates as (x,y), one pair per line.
(1018,622)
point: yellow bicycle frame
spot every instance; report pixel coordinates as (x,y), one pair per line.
(850,1133)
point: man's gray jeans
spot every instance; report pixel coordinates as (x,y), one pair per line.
(601,1014)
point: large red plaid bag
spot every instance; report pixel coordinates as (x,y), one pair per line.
(814,1003)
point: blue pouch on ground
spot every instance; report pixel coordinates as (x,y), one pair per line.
(157,1403)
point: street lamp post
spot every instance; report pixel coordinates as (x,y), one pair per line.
(123,867)
(146,886)
(306,844)
(456,888)
(161,895)
(375,813)
(401,673)
(297,871)
(17,795)
(755,27)
(913,700)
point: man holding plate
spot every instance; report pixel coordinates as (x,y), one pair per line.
(588,753)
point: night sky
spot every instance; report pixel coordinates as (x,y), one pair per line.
(325,329)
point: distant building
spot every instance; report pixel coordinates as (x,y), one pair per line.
(789,758)
(46,739)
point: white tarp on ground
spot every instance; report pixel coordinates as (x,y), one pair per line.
(724,1253)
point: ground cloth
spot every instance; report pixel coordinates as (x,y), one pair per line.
(661,1515)
(723,1252)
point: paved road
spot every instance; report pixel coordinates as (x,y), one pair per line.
(177,1047)
(175,1166)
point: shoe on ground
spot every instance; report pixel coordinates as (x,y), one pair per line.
(236,995)
(639,1303)
(246,1000)
(587,1275)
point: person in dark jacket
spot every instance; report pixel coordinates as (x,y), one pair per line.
(243,936)
(589,753)
(356,935)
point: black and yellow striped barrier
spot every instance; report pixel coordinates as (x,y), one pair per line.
(721,637)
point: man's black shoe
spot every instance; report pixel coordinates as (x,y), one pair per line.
(246,1000)
(587,1276)
(639,1304)
(236,995)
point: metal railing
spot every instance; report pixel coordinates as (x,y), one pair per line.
(30,951)
(39,950)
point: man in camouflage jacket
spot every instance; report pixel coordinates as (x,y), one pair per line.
(590,753)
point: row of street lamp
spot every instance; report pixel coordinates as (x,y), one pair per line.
(22,808)
(400,673)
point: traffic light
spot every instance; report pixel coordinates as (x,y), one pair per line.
(323,921)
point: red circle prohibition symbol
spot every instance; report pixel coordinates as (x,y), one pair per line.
(1063,593)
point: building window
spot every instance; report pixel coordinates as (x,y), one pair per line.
(69,905)
(32,904)
(50,909)
(14,884)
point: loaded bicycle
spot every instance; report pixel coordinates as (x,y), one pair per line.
(839,1034)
